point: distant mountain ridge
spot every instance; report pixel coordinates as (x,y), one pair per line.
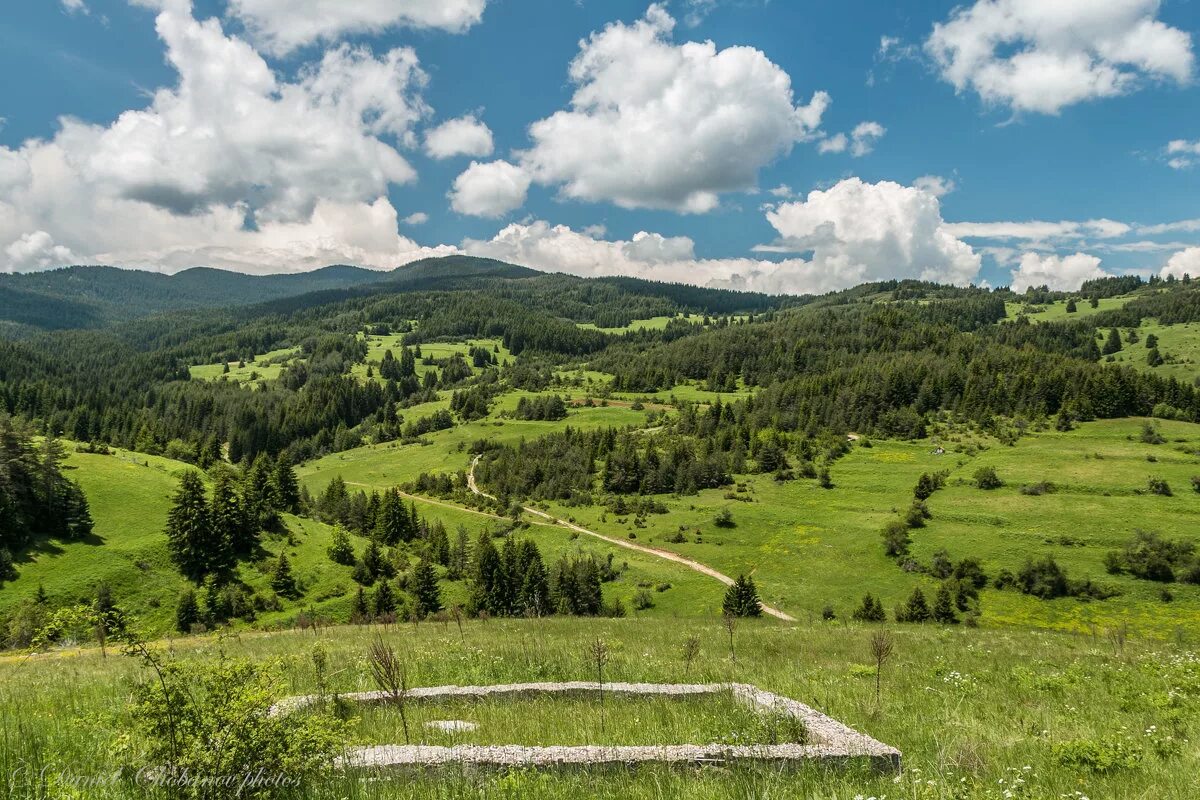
(85,297)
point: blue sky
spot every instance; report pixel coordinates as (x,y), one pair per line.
(999,141)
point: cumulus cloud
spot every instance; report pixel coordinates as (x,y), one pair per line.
(35,251)
(280,26)
(861,231)
(1060,273)
(75,6)
(230,167)
(489,189)
(1182,154)
(653,124)
(1033,55)
(851,233)
(1185,262)
(464,136)
(860,141)
(416,218)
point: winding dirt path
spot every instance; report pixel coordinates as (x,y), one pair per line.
(666,555)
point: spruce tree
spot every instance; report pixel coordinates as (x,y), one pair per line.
(943,606)
(287,485)
(741,599)
(283,582)
(427,597)
(871,610)
(78,513)
(189,529)
(231,526)
(1154,358)
(384,601)
(1113,343)
(359,612)
(916,609)
(262,503)
(187,612)
(488,587)
(1071,306)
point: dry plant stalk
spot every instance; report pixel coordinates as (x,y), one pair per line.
(391,676)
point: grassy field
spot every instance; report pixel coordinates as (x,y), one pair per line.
(977,713)
(265,367)
(1179,346)
(1056,312)
(378,345)
(652,324)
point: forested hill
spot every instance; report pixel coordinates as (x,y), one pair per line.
(88,297)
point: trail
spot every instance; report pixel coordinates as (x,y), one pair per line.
(666,555)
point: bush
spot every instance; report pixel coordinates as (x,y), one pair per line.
(895,538)
(1038,489)
(1044,579)
(724,519)
(986,478)
(642,600)
(916,515)
(1158,486)
(187,706)
(1151,557)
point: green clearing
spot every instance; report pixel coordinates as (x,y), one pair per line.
(1179,346)
(651,324)
(378,345)
(266,367)
(547,720)
(977,713)
(1056,312)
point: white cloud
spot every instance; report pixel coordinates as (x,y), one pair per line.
(864,136)
(833,144)
(35,251)
(935,185)
(489,190)
(1181,226)
(1060,273)
(1182,154)
(782,190)
(280,26)
(464,136)
(231,167)
(416,218)
(1041,56)
(1185,262)
(1040,230)
(75,7)
(861,231)
(653,124)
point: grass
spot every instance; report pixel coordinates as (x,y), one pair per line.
(266,367)
(1056,312)
(1179,346)
(977,713)
(546,720)
(377,346)
(651,324)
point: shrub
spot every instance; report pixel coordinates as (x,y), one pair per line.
(724,519)
(895,538)
(986,478)
(642,600)
(1151,557)
(1098,755)
(187,706)
(1038,489)
(916,515)
(1158,486)
(1044,579)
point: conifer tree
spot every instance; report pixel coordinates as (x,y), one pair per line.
(341,551)
(283,582)
(916,609)
(741,599)
(287,485)
(78,512)
(427,597)
(943,606)
(189,529)
(262,503)
(230,523)
(187,612)
(871,610)
(359,611)
(384,601)
(1113,343)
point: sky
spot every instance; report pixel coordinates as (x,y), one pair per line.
(755,144)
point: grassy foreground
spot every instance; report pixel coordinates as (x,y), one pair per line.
(977,713)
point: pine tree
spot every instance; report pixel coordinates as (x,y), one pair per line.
(78,513)
(231,526)
(1113,343)
(488,587)
(426,594)
(282,580)
(1154,358)
(189,529)
(916,609)
(187,612)
(372,561)
(262,503)
(741,599)
(1071,306)
(287,485)
(871,610)
(385,601)
(943,606)
(359,612)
